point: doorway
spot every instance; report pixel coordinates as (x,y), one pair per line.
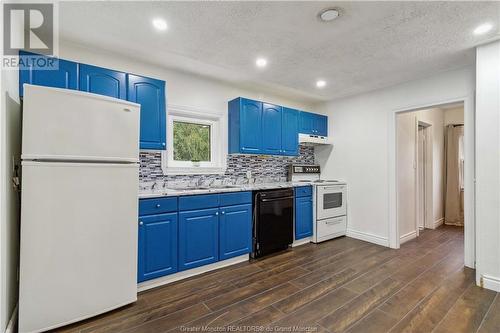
(423,176)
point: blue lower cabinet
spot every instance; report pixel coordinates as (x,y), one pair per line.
(235,231)
(198,238)
(157,255)
(303,217)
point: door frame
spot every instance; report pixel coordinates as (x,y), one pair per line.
(469,173)
(428,175)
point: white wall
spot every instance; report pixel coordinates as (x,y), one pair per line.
(488,165)
(405,135)
(362,129)
(183,89)
(10,150)
(454,116)
(406,155)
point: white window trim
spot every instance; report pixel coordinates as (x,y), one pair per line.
(218,146)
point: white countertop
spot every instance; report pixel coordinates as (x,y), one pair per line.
(235,188)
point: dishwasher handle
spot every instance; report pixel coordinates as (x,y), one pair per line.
(276,199)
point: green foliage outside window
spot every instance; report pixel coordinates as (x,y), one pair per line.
(191,142)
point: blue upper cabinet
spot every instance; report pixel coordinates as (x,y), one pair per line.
(66,75)
(306,122)
(245,126)
(235,231)
(103,81)
(198,238)
(312,123)
(321,125)
(289,132)
(157,255)
(150,94)
(271,129)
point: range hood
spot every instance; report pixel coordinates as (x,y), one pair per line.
(313,140)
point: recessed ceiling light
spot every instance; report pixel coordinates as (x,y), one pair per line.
(160,24)
(328,14)
(483,28)
(320,83)
(261,62)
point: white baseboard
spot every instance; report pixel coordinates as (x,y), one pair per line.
(491,282)
(407,237)
(438,222)
(191,272)
(303,241)
(367,237)
(12,325)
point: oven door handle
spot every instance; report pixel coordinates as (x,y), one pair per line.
(276,199)
(333,188)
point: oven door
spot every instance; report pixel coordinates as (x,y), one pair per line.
(331,201)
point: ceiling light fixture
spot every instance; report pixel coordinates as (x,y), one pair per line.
(160,24)
(261,62)
(483,28)
(320,83)
(329,14)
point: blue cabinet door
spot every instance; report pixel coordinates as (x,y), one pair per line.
(150,94)
(103,81)
(250,126)
(321,125)
(289,132)
(65,76)
(198,238)
(157,255)
(271,129)
(303,217)
(235,231)
(306,122)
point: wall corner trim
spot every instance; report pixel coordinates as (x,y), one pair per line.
(367,237)
(491,282)
(438,222)
(12,325)
(407,237)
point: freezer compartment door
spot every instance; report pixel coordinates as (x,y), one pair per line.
(61,124)
(78,242)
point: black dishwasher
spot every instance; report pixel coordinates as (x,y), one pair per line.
(273,221)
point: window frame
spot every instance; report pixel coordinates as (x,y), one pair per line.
(217,163)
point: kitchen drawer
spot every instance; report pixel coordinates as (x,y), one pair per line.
(202,201)
(303,191)
(157,206)
(236,198)
(332,227)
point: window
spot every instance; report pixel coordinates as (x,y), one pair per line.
(193,143)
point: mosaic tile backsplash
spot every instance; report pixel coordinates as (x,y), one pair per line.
(237,166)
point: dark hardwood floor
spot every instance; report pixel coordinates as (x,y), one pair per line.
(344,285)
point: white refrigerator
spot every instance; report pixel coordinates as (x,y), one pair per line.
(78,250)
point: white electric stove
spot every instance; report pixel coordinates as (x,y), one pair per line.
(329,201)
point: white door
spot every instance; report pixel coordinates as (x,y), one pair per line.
(62,124)
(78,242)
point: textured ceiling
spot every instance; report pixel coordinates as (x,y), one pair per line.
(372,45)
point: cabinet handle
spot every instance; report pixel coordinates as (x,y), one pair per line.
(223,212)
(216,213)
(158,205)
(141,223)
